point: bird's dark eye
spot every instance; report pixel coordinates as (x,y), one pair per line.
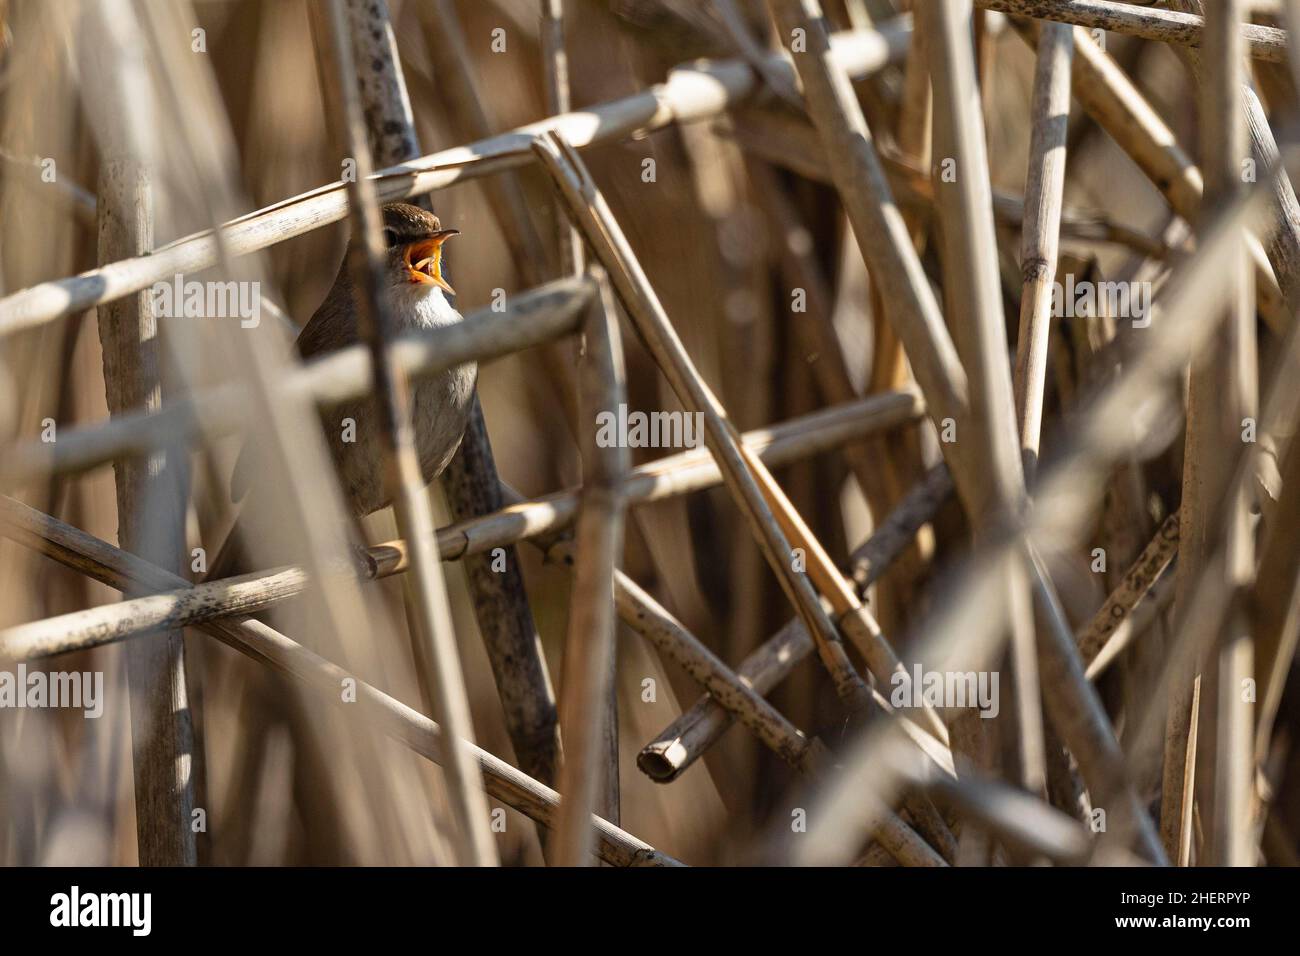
(390,237)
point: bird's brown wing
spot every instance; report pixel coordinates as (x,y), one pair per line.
(334,324)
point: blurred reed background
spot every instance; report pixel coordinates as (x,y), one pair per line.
(736,212)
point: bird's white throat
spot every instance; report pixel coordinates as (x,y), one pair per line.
(421,305)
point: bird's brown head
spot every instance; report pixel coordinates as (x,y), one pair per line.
(414,238)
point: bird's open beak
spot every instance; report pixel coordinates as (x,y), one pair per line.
(424,259)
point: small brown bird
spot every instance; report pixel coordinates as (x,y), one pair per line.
(417,299)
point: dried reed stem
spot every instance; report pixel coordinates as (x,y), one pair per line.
(790,143)
(1117,106)
(969,261)
(970,621)
(151,500)
(667,477)
(1021,822)
(1284,246)
(688,737)
(1137,582)
(1044,196)
(118,569)
(590,212)
(143,616)
(589,644)
(530,318)
(558,99)
(879,227)
(674,475)
(1226,129)
(470,480)
(1168,26)
(693,91)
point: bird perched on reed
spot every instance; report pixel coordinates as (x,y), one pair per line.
(417,299)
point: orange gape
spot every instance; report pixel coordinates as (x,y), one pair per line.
(427,256)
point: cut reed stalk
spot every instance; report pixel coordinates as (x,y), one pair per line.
(687,738)
(644,615)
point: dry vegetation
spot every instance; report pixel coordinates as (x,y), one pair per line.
(988,320)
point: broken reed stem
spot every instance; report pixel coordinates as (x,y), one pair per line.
(99,560)
(695,90)
(587,681)
(688,737)
(1151,23)
(730,690)
(645,616)
(425,590)
(152,494)
(1044,197)
(591,214)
